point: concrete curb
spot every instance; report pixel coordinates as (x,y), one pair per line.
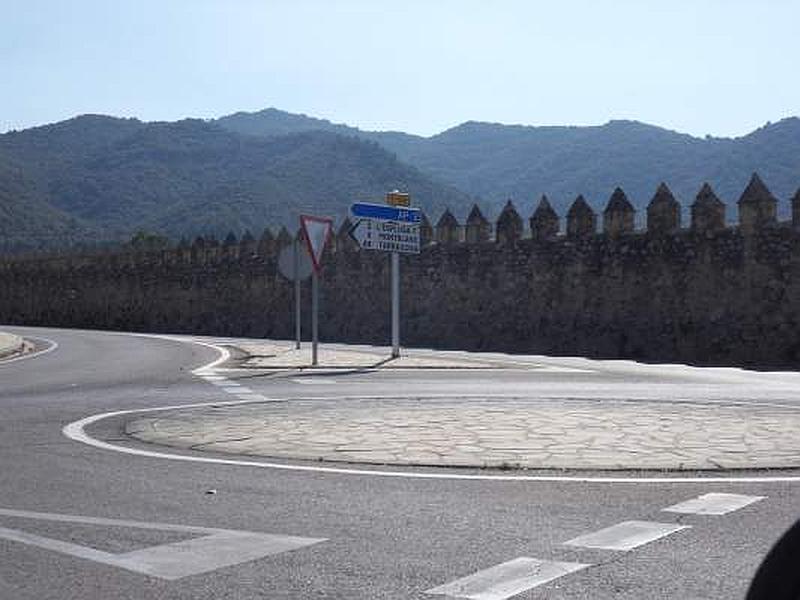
(521,433)
(282,356)
(10,344)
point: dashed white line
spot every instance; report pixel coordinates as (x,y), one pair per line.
(210,375)
(713,504)
(507,579)
(521,574)
(626,535)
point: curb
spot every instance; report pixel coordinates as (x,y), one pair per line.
(10,345)
(378,361)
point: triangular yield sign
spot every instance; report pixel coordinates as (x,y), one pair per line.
(316,231)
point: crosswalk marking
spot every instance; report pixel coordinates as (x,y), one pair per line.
(507,579)
(232,387)
(626,535)
(713,504)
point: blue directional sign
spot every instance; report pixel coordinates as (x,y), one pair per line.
(386,213)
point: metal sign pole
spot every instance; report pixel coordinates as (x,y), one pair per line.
(393,228)
(395,305)
(297,330)
(314,316)
(316,233)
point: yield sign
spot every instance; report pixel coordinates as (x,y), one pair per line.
(316,231)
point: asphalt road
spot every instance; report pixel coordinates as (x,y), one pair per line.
(322,534)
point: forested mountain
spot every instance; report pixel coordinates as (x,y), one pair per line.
(94,178)
(272,122)
(27,221)
(496,161)
(103,178)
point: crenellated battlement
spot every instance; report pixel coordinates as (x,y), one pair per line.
(757,210)
(702,291)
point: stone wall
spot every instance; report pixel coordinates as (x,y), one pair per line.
(701,294)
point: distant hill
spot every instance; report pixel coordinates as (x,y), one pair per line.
(272,122)
(496,161)
(96,178)
(27,220)
(105,177)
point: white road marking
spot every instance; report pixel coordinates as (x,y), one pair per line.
(209,553)
(507,579)
(216,549)
(62,518)
(626,535)
(713,504)
(312,381)
(252,397)
(555,369)
(224,354)
(240,370)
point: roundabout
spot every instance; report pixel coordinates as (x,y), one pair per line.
(490,432)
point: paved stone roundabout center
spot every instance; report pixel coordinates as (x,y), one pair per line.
(491,432)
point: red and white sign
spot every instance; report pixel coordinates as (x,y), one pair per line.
(316,232)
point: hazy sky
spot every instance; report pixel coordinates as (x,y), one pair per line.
(719,67)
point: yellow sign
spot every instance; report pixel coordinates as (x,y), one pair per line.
(398,198)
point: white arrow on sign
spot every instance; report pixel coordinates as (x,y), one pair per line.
(391,236)
(362,233)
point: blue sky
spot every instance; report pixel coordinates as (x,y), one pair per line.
(701,67)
